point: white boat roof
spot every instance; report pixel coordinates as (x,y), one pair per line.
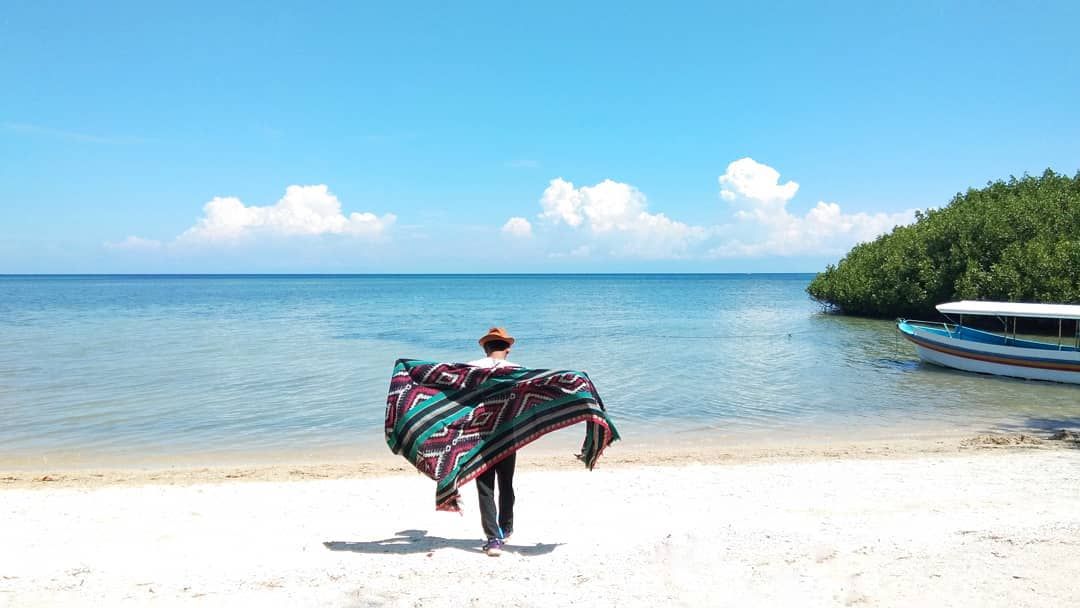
(1011,309)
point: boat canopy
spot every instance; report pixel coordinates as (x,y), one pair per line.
(1011,309)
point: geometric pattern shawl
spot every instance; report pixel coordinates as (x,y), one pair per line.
(453,421)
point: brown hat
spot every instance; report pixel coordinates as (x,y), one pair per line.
(496,333)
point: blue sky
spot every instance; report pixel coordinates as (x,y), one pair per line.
(543,137)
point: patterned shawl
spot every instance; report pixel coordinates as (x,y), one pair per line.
(454,421)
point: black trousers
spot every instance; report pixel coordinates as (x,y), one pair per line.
(497,523)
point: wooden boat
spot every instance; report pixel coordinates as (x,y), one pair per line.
(955,345)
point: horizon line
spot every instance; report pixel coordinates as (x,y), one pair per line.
(380,274)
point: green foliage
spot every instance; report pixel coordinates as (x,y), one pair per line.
(1015,240)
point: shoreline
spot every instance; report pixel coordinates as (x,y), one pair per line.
(557,455)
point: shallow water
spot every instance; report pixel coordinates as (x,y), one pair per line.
(172,366)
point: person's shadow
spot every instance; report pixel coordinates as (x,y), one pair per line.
(418,541)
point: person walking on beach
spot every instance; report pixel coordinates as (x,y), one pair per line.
(498,524)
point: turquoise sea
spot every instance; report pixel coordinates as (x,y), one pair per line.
(135,368)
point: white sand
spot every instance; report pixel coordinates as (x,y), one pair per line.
(970,527)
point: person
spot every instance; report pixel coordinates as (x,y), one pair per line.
(498,524)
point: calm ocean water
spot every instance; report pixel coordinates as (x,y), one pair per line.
(139,367)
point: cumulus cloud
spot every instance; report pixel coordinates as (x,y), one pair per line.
(562,203)
(517,226)
(753,180)
(310,211)
(767,227)
(304,210)
(617,213)
(134,243)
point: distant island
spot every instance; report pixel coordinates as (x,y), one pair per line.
(1015,240)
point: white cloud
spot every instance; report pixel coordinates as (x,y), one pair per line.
(561,202)
(826,220)
(517,226)
(616,213)
(612,205)
(766,227)
(753,180)
(134,243)
(304,210)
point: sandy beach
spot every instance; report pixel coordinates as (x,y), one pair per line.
(974,522)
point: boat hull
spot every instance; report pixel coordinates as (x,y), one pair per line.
(999,360)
